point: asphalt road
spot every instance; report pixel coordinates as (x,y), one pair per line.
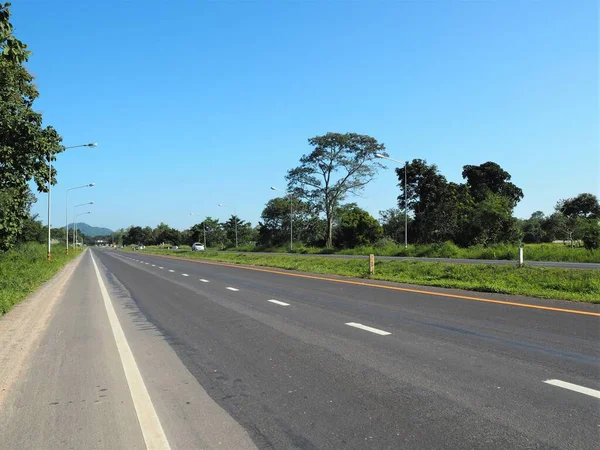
(234,357)
(499,262)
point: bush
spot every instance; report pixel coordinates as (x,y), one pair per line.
(446,250)
(591,236)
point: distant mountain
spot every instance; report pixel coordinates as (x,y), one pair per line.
(89,230)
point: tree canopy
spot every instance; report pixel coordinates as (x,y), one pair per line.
(26,145)
(340,164)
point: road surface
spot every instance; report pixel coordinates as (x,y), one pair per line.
(143,351)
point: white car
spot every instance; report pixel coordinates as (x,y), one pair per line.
(197,247)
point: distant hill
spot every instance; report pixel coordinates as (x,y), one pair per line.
(89,230)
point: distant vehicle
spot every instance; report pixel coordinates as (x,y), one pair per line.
(197,247)
(174,248)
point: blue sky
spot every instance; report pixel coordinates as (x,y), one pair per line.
(196,103)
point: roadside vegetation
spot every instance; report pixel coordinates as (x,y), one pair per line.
(532,252)
(24,268)
(552,283)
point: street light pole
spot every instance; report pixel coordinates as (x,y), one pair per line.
(273,188)
(89,212)
(235,221)
(75,221)
(405,206)
(67,210)
(382,156)
(93,144)
(49,256)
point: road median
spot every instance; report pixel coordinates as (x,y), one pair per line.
(541,282)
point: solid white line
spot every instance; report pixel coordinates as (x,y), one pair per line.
(574,387)
(233,289)
(366,328)
(204,281)
(277,302)
(171,270)
(185,275)
(154,435)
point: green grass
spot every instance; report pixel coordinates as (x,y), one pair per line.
(24,269)
(553,283)
(532,252)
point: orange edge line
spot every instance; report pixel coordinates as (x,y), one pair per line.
(382,286)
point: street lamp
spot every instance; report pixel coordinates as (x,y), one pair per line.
(203,226)
(235,220)
(67,209)
(81,214)
(92,144)
(379,155)
(75,221)
(289,194)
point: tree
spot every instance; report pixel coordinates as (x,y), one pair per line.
(584,205)
(433,202)
(491,221)
(163,233)
(356,227)
(33,231)
(25,145)
(488,178)
(147,236)
(215,234)
(554,227)
(196,233)
(591,234)
(245,232)
(134,236)
(275,221)
(478,211)
(533,228)
(392,222)
(340,164)
(274,229)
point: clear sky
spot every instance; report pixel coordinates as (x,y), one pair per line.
(196,103)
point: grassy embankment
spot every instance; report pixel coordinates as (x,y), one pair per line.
(24,269)
(554,283)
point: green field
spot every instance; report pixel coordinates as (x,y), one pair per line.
(532,252)
(24,269)
(552,283)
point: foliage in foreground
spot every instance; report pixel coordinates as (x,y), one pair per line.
(553,283)
(24,268)
(25,143)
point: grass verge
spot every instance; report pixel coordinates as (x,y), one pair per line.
(24,269)
(385,247)
(553,283)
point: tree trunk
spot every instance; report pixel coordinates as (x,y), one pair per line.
(329,230)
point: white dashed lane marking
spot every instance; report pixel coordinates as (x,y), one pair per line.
(170,270)
(366,328)
(204,281)
(232,289)
(574,387)
(277,302)
(184,275)
(160,267)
